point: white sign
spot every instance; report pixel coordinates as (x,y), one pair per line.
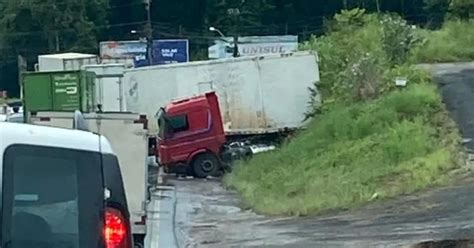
(253,45)
(401,81)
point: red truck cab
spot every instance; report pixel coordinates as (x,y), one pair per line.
(191,136)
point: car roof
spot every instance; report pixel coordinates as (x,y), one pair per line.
(19,133)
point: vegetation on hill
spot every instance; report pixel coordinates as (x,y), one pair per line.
(454,42)
(368,139)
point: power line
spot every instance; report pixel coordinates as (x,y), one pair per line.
(71,29)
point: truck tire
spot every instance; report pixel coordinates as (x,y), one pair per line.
(205,165)
(138,240)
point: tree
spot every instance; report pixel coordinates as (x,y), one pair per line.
(436,10)
(53,25)
(33,27)
(248,15)
(123,17)
(462,8)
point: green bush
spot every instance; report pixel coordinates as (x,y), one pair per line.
(358,52)
(386,147)
(453,42)
(398,38)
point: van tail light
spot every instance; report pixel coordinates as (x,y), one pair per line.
(116,233)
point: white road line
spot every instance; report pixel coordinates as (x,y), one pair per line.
(161,216)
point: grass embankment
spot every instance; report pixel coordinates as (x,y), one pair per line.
(371,139)
(399,144)
(454,42)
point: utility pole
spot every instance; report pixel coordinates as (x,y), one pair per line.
(149,32)
(57,42)
(235,13)
(22,67)
(236,35)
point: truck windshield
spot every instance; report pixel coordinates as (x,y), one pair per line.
(170,125)
(165,129)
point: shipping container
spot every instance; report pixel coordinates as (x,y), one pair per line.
(108,86)
(65,61)
(58,91)
(257,93)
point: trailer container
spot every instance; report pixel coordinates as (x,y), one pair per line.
(58,91)
(65,61)
(257,94)
(108,86)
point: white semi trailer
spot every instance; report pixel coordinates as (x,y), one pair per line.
(257,94)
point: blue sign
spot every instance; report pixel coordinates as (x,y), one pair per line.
(170,51)
(164,51)
(140,59)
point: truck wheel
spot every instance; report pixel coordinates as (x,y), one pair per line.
(138,241)
(205,165)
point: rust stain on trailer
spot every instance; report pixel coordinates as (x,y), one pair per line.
(241,106)
(241,118)
(244,118)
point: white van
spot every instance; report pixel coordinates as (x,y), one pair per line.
(61,188)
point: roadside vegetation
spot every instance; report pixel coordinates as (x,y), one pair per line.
(454,42)
(367,139)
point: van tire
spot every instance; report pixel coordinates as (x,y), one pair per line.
(205,164)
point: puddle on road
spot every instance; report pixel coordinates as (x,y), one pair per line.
(446,244)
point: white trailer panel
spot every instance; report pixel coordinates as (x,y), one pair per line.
(129,63)
(259,93)
(65,61)
(129,140)
(108,86)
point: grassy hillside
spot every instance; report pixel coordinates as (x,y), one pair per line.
(453,42)
(368,139)
(397,144)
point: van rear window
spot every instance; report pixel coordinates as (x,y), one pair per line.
(52,197)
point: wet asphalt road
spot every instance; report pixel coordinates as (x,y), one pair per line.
(201,213)
(456,82)
(209,216)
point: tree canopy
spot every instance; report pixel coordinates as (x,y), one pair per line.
(32,27)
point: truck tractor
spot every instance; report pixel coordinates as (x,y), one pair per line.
(192,140)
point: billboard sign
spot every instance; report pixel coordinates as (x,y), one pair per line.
(164,51)
(135,50)
(170,51)
(254,45)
